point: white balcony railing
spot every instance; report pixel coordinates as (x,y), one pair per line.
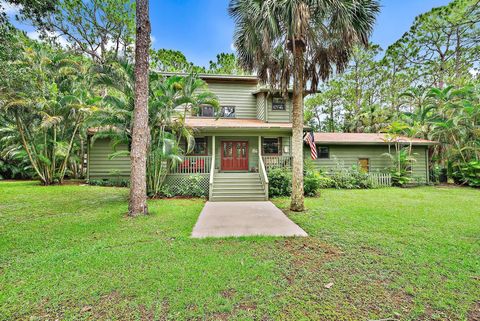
(272,162)
(193,165)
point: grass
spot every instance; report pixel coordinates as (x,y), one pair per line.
(69,252)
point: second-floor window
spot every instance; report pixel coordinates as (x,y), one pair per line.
(278,103)
(206,111)
(224,112)
(227,112)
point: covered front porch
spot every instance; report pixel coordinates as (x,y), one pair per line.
(234,162)
(235,154)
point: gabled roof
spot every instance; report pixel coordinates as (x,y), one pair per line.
(366,139)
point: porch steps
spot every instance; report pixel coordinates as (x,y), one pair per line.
(237,187)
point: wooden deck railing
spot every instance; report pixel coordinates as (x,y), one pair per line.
(272,162)
(193,165)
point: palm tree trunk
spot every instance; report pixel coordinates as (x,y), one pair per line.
(140,135)
(297,133)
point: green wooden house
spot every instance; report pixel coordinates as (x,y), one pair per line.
(233,153)
(367,151)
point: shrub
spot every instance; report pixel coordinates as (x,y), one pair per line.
(312,182)
(468,173)
(279,182)
(112,182)
(350,178)
(326,182)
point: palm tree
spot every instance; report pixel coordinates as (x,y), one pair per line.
(169,101)
(301,41)
(140,135)
(167,123)
(49,110)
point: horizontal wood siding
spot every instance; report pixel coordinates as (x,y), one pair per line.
(420,167)
(238,95)
(348,155)
(279,116)
(99,164)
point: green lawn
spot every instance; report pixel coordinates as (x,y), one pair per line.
(68,252)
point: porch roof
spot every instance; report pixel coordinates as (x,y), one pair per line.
(234,123)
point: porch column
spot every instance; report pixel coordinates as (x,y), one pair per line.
(259,146)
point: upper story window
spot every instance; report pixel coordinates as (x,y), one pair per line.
(278,103)
(200,147)
(323,152)
(271,146)
(206,111)
(209,111)
(227,112)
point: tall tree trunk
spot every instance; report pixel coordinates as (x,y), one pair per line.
(140,133)
(297,133)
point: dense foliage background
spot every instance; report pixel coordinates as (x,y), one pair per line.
(425,85)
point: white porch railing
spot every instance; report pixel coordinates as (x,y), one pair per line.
(212,170)
(380,179)
(193,165)
(263,175)
(272,162)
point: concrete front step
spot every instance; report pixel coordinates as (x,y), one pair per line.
(237,198)
(238,192)
(237,187)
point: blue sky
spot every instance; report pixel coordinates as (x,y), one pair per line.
(202,28)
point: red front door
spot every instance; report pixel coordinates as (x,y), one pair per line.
(234,156)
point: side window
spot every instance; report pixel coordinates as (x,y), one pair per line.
(278,103)
(271,146)
(227,112)
(323,152)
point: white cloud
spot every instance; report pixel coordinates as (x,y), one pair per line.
(232,47)
(35,35)
(10,9)
(152,39)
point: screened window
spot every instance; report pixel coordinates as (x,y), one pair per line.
(206,111)
(278,103)
(271,146)
(200,147)
(227,112)
(323,152)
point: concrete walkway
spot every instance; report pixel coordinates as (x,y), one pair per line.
(223,219)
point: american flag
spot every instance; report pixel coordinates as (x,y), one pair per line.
(310,139)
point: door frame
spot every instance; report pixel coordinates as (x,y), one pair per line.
(221,155)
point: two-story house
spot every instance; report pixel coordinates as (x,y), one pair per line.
(253,128)
(252,134)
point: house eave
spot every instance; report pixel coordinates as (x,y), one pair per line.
(376,143)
